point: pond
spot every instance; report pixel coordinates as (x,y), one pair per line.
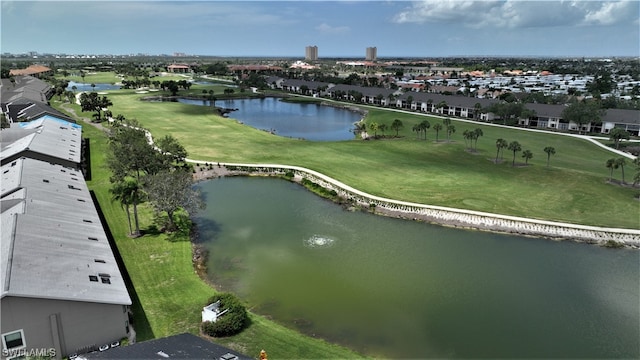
(88,87)
(395,288)
(301,121)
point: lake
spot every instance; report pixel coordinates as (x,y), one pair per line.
(304,121)
(395,288)
(88,87)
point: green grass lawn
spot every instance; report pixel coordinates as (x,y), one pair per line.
(573,189)
(168,295)
(109,77)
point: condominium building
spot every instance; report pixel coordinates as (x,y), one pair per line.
(372,54)
(311,53)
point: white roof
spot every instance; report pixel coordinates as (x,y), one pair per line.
(49,135)
(52,237)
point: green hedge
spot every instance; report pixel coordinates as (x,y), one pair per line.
(230,323)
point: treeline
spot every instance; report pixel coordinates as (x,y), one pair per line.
(156,173)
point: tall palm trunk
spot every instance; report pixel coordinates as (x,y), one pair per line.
(129,218)
(135,217)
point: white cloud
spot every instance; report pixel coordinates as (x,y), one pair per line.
(612,12)
(328,29)
(519,14)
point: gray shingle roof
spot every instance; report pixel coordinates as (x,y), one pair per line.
(622,116)
(48,135)
(183,346)
(52,237)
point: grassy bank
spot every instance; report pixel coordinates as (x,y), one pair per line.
(168,294)
(573,189)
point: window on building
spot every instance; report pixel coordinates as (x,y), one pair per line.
(93,278)
(13,340)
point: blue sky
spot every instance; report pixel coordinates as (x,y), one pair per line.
(339,28)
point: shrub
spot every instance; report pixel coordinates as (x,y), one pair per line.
(232,322)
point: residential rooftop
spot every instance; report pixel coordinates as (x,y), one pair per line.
(53,242)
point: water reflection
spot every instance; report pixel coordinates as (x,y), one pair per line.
(400,289)
(301,121)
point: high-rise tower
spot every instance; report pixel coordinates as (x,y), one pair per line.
(372,54)
(311,53)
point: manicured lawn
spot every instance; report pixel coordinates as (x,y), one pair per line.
(168,295)
(92,77)
(109,77)
(573,189)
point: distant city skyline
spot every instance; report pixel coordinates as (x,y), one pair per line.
(432,28)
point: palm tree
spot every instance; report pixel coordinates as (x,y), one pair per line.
(611,165)
(450,130)
(618,134)
(127,193)
(550,150)
(466,135)
(527,154)
(382,128)
(397,125)
(424,125)
(417,129)
(621,162)
(515,147)
(374,127)
(477,109)
(409,101)
(636,176)
(477,133)
(437,127)
(500,144)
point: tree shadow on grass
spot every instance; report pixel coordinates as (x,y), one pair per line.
(138,318)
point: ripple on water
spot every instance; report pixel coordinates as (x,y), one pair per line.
(318,241)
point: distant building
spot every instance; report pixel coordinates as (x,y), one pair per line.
(311,53)
(372,54)
(33,70)
(178,68)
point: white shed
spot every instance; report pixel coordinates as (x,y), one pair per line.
(211,312)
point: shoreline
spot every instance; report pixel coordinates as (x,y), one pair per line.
(453,218)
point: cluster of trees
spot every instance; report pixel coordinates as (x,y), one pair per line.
(396,125)
(510,112)
(446,125)
(175,86)
(96,103)
(619,163)
(156,173)
(583,113)
(471,136)
(60,89)
(515,147)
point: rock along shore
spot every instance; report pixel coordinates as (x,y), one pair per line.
(616,237)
